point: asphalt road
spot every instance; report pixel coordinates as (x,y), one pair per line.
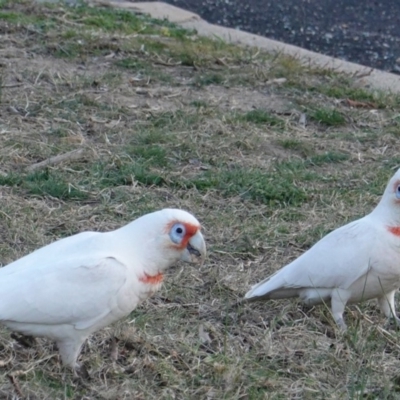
(363,31)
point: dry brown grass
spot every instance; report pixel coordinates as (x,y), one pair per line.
(168,119)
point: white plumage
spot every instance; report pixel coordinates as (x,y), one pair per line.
(356,262)
(71,288)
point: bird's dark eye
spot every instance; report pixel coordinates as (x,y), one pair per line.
(398,192)
(177,233)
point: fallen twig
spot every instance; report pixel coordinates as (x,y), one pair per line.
(70,156)
(15,383)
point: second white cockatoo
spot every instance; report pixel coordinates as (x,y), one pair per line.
(359,261)
(77,285)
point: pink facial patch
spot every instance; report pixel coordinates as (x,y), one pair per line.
(394,229)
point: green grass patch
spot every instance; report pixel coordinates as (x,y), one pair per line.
(328,117)
(197,51)
(305,149)
(172,121)
(106,176)
(54,384)
(253,184)
(329,157)
(110,19)
(45,183)
(58,132)
(133,64)
(261,117)
(39,22)
(199,104)
(11,179)
(152,137)
(342,88)
(154,155)
(209,79)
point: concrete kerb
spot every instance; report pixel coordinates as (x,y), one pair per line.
(365,76)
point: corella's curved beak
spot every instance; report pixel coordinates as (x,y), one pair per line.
(195,251)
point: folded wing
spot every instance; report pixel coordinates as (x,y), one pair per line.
(61,287)
(337,260)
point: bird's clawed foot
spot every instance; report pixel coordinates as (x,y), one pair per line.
(392,322)
(81,372)
(24,340)
(341,324)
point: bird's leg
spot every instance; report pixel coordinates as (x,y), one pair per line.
(69,350)
(386,304)
(338,303)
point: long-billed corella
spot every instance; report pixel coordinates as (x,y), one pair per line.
(359,261)
(77,285)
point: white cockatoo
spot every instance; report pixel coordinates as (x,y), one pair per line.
(75,286)
(359,261)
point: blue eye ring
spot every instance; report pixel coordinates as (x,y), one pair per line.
(177,232)
(398,192)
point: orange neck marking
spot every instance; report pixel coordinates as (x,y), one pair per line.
(152,279)
(394,229)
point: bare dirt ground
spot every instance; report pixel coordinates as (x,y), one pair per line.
(268,154)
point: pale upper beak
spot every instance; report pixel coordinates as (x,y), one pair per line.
(195,251)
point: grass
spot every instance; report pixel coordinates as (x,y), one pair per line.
(261,117)
(44,183)
(328,117)
(167,118)
(305,149)
(254,184)
(125,174)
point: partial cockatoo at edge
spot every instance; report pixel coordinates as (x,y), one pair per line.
(77,285)
(359,261)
